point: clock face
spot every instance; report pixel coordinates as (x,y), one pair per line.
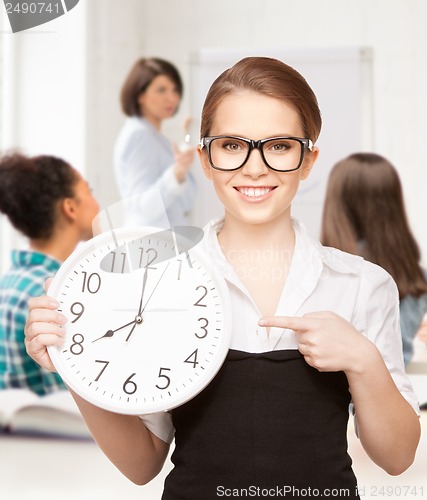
(148,323)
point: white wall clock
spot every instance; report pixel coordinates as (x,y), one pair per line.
(148,321)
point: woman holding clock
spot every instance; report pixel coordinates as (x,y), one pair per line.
(301,353)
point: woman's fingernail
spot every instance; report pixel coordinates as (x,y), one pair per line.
(262,322)
(61,319)
(54,303)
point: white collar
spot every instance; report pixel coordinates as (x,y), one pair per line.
(308,262)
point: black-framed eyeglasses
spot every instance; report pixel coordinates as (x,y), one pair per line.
(282,154)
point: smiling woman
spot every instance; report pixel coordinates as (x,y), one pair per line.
(301,350)
(248,172)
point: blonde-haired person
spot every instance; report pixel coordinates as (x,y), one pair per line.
(364,214)
(50,203)
(313,329)
(147,166)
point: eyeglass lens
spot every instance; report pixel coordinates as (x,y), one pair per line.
(281,154)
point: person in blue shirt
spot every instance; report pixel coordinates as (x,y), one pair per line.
(364,214)
(51,204)
(153,176)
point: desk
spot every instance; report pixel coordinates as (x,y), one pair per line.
(55,469)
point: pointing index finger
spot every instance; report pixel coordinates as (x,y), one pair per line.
(295,323)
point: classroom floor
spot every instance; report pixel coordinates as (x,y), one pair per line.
(43,469)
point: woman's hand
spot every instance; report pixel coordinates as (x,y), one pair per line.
(43,328)
(422,332)
(327,341)
(183,161)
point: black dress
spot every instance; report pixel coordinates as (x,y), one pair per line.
(267,422)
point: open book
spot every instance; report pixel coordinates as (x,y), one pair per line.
(55,415)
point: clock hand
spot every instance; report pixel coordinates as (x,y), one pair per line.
(154,289)
(167,309)
(130,333)
(158,309)
(138,319)
(110,333)
(144,283)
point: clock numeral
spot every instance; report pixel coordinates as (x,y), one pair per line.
(77,348)
(188,260)
(204,293)
(129,386)
(180,261)
(203,327)
(151,254)
(113,262)
(92,283)
(192,359)
(102,371)
(79,312)
(166,380)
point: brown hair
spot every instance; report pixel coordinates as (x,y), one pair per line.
(364,214)
(269,77)
(30,190)
(139,78)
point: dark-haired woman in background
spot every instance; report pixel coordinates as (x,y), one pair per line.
(145,161)
(364,214)
(52,205)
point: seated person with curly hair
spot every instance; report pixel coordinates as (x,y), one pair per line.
(50,203)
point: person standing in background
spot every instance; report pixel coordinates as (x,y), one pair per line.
(145,161)
(50,203)
(364,214)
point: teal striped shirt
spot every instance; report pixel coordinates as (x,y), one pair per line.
(25,279)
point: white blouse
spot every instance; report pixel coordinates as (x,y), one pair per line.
(143,167)
(319,279)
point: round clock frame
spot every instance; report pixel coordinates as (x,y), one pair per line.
(149,323)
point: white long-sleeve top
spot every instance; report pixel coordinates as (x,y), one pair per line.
(319,279)
(143,160)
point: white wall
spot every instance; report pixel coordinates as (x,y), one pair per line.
(394,29)
(44,97)
(116,33)
(67,74)
(46,73)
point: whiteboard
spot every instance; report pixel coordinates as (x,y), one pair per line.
(342,81)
